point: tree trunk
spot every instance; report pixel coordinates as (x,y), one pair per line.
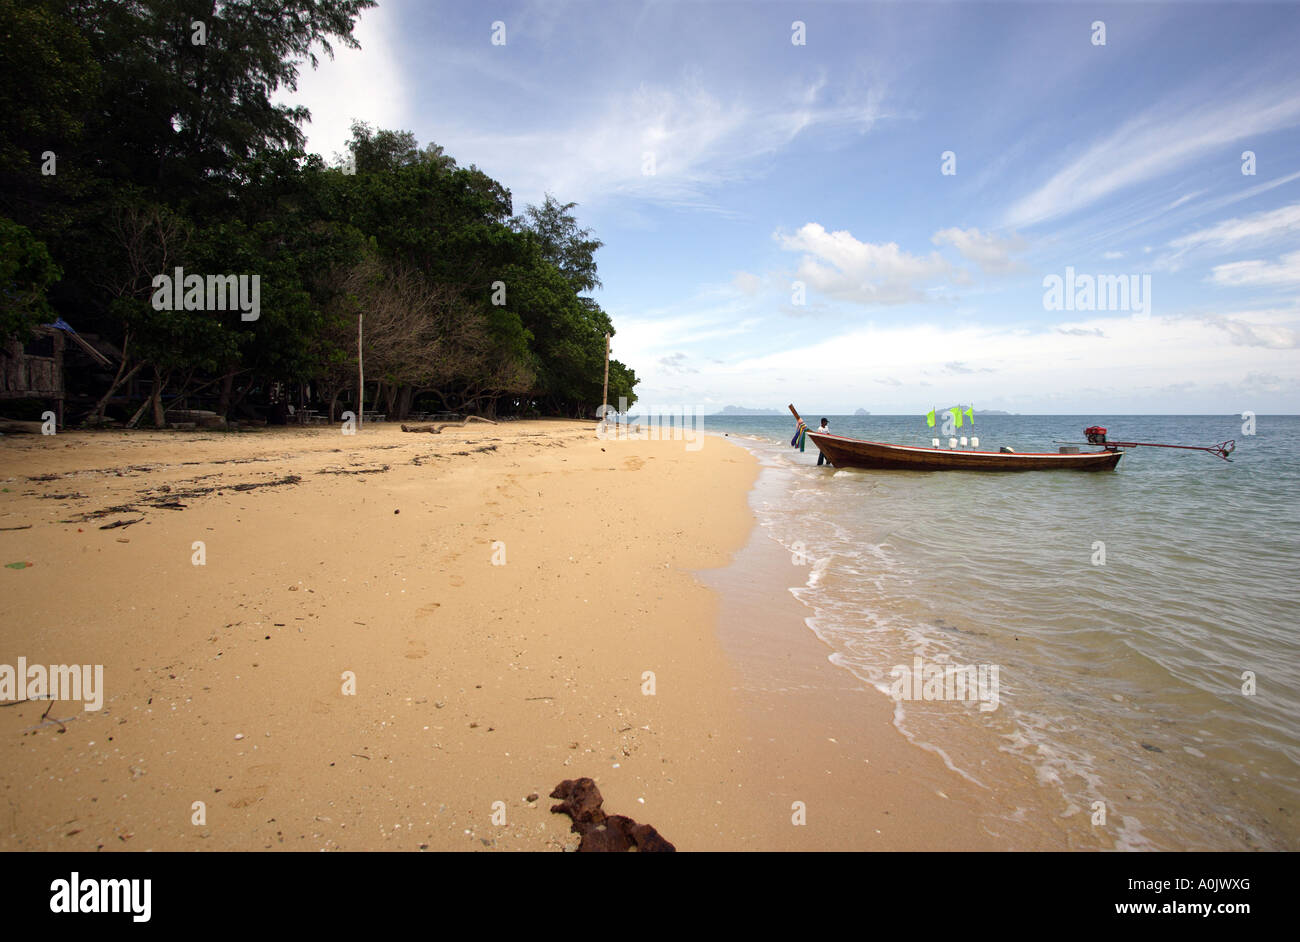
(118,383)
(404,403)
(227,385)
(182,399)
(243,392)
(159,384)
(155,400)
(118,380)
(138,412)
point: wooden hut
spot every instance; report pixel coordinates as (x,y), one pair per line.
(34,370)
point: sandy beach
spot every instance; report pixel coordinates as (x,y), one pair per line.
(405,641)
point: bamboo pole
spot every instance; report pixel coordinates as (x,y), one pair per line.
(361,374)
(604,392)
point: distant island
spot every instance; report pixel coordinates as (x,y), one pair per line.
(746,410)
(994,412)
(861,412)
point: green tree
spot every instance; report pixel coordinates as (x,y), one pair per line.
(187,86)
(568,248)
(26,273)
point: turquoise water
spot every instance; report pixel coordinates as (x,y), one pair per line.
(1119,681)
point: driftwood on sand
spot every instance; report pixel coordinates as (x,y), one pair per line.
(580,800)
(437,429)
(17,427)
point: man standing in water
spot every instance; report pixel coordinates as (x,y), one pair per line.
(821,458)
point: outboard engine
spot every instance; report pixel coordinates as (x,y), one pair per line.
(1096,434)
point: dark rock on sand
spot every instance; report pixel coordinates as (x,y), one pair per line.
(580,800)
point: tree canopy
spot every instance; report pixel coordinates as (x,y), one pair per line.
(141,137)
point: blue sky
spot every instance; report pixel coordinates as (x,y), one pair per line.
(822,164)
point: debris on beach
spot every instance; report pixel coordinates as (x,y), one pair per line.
(601,833)
(437,429)
(120,523)
(18,427)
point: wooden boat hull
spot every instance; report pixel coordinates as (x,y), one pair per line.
(857,453)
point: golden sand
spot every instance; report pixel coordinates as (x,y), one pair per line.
(396,640)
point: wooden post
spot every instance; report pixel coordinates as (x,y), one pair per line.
(361,374)
(604,392)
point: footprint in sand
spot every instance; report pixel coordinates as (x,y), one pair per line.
(428,609)
(457,581)
(633,464)
(416,649)
(249,796)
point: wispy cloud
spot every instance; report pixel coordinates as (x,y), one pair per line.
(962,369)
(663,145)
(1156,142)
(1253,229)
(1257,272)
(1185,198)
(676,363)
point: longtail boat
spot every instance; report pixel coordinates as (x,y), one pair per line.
(845,452)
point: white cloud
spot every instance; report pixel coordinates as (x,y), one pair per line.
(676,363)
(991,252)
(1257,382)
(840,266)
(1111,256)
(1259,335)
(713,313)
(1064,363)
(1257,272)
(364,84)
